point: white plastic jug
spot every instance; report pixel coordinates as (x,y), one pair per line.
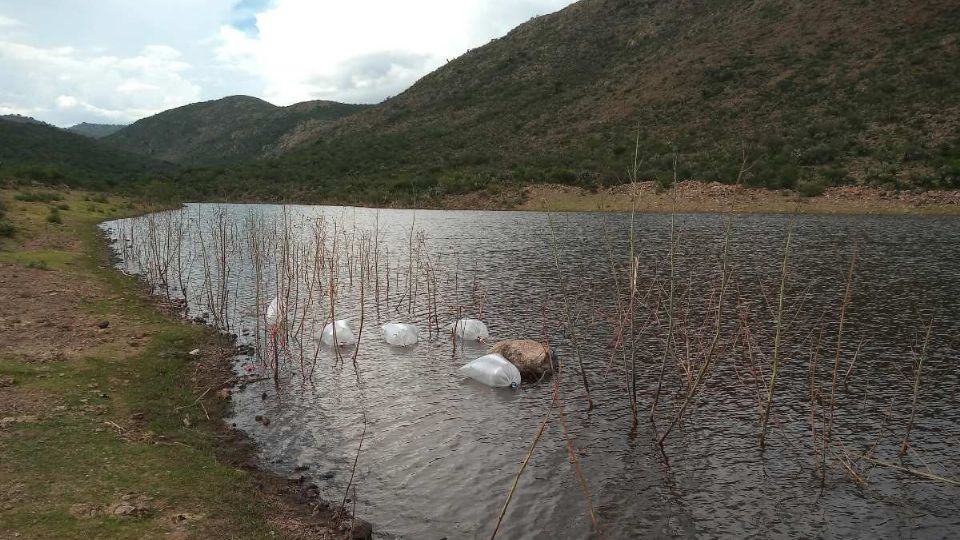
(345,335)
(400,335)
(493,370)
(469,330)
(273,313)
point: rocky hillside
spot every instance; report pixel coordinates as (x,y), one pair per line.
(222,131)
(95,131)
(42,153)
(768,92)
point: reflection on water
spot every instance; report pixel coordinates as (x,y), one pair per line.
(441,453)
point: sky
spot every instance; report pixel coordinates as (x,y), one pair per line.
(115,61)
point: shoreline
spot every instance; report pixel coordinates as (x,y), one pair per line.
(699,197)
(100,367)
(214,381)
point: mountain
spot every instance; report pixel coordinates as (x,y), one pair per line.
(766,92)
(42,153)
(95,131)
(18,119)
(224,130)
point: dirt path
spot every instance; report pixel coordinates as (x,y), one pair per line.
(108,426)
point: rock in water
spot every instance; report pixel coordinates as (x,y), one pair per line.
(533,359)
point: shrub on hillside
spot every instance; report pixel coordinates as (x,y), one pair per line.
(54,216)
(38,196)
(811,188)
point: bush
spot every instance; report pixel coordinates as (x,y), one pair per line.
(63,206)
(38,265)
(39,196)
(54,216)
(811,188)
(7,230)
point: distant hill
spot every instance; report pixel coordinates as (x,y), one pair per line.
(223,131)
(767,92)
(42,153)
(18,119)
(95,131)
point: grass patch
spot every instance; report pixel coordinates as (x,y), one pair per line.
(54,216)
(7,229)
(38,196)
(71,455)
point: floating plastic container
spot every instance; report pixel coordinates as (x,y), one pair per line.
(345,335)
(469,330)
(400,334)
(273,313)
(492,370)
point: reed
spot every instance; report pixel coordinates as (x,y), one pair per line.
(775,367)
(918,369)
(711,352)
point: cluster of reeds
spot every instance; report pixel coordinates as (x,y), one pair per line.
(681,323)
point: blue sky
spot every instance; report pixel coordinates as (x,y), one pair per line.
(114,61)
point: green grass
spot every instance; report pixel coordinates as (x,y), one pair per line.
(39,196)
(71,456)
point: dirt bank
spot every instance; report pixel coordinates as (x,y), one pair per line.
(692,196)
(109,427)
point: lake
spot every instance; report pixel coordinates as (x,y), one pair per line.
(689,295)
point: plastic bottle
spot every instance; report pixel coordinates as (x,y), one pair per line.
(492,370)
(400,335)
(469,330)
(345,335)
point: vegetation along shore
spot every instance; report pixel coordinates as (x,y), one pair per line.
(111,408)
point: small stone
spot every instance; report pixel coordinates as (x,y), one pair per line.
(224,393)
(187,422)
(124,509)
(195,352)
(361,530)
(103,325)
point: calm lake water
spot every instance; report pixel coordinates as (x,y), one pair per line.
(440,453)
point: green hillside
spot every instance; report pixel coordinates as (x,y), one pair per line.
(769,93)
(42,153)
(95,131)
(223,131)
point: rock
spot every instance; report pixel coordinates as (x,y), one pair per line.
(103,325)
(195,352)
(11,420)
(84,510)
(307,493)
(533,359)
(361,530)
(124,509)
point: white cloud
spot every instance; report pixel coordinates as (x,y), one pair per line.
(64,85)
(364,50)
(67,61)
(8,22)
